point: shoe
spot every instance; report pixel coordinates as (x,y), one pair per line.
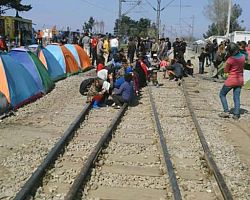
(113,105)
(117,107)
(236,117)
(224,115)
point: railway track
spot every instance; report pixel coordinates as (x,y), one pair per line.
(135,163)
(190,153)
(131,166)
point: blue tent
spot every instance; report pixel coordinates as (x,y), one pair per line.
(36,68)
(16,83)
(56,51)
(54,68)
(24,59)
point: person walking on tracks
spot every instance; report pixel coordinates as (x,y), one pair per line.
(234,67)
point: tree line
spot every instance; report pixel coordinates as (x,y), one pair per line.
(216,11)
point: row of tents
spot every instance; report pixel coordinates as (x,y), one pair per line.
(29,73)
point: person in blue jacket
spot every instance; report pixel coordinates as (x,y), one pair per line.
(125,92)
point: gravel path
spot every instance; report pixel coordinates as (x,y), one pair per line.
(59,179)
(183,142)
(130,165)
(27,137)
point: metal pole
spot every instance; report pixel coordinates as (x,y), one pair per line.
(229,17)
(180,19)
(119,17)
(158,16)
(192,28)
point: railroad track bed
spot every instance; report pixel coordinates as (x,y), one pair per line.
(222,133)
(60,177)
(27,137)
(130,166)
(184,146)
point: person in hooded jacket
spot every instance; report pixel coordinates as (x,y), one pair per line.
(234,67)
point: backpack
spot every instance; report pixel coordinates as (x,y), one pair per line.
(85,85)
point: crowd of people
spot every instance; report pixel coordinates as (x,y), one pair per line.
(120,74)
(228,60)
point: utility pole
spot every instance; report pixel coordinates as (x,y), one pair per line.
(158,16)
(229,17)
(192,33)
(119,17)
(180,19)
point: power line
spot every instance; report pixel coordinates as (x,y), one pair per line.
(97,6)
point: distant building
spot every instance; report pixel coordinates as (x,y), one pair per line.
(16,29)
(235,36)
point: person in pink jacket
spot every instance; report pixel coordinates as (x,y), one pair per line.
(234,68)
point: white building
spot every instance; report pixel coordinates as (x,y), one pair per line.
(238,36)
(235,36)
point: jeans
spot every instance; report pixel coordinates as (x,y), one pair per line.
(201,67)
(236,97)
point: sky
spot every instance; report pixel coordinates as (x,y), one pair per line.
(73,14)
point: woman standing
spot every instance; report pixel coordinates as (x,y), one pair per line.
(234,67)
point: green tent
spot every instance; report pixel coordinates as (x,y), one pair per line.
(47,82)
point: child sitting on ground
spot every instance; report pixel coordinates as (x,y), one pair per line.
(189,68)
(163,65)
(155,62)
(98,92)
(95,94)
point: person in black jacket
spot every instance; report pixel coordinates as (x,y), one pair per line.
(176,47)
(202,58)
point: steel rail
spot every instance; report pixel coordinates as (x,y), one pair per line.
(168,162)
(36,177)
(208,155)
(81,177)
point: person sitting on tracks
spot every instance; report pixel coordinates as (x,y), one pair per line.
(125,93)
(95,93)
(175,71)
(125,69)
(163,65)
(189,68)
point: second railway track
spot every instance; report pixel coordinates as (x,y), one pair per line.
(132,164)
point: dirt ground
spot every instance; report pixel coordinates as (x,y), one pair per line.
(27,136)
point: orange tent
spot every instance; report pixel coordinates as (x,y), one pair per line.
(84,58)
(71,63)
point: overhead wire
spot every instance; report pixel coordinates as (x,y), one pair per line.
(97,6)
